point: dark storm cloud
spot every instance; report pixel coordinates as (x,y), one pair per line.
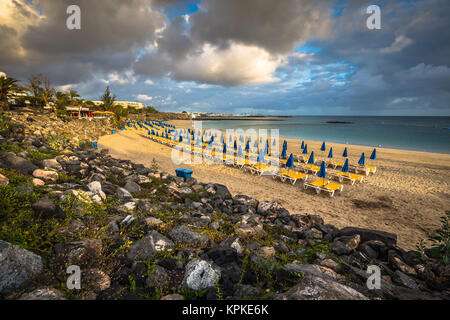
(112,32)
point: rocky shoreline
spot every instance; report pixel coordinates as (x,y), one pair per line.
(137,233)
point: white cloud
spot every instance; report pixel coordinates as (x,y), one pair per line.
(144,97)
(148,81)
(238,64)
(398,45)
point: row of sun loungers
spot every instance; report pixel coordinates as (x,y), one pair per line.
(248,163)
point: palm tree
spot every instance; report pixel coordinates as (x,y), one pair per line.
(8,87)
(72,95)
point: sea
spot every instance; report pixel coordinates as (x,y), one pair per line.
(429,134)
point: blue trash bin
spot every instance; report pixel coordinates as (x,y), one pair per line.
(114,131)
(94,143)
(121,128)
(183,173)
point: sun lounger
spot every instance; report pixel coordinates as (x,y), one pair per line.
(341,176)
(364,169)
(324,185)
(292,176)
(334,164)
(263,169)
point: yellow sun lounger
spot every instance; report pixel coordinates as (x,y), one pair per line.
(347,176)
(334,164)
(324,185)
(310,168)
(365,169)
(292,176)
(263,169)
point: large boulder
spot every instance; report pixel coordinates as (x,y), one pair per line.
(200,274)
(184,235)
(387,238)
(46,208)
(149,245)
(266,208)
(132,187)
(11,161)
(318,288)
(46,175)
(222,191)
(17,267)
(244,200)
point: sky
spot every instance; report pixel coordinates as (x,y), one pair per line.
(290,57)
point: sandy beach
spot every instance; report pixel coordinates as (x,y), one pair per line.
(407,195)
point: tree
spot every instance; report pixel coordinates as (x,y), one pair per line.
(8,87)
(108,100)
(39,86)
(62,100)
(72,95)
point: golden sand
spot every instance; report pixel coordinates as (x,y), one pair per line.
(407,195)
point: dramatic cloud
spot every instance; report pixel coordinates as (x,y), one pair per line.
(262,56)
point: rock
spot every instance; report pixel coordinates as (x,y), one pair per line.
(200,274)
(46,208)
(95,186)
(46,293)
(46,175)
(266,252)
(184,235)
(222,255)
(197,187)
(174,296)
(148,246)
(152,221)
(4,181)
(244,200)
(387,238)
(95,280)
(246,291)
(405,281)
(350,242)
(37,182)
(79,253)
(17,163)
(368,250)
(266,208)
(124,195)
(312,233)
(132,187)
(397,263)
(308,221)
(158,278)
(296,271)
(18,267)
(317,288)
(234,243)
(339,248)
(222,191)
(51,164)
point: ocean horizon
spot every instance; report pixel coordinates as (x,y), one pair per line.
(428,134)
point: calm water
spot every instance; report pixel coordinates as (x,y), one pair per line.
(410,133)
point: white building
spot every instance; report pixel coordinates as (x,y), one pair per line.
(125,104)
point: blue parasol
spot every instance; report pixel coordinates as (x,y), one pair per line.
(345,153)
(362,160)
(311,158)
(240,154)
(373,156)
(345,167)
(224,148)
(235,144)
(323,147)
(305,150)
(260,156)
(303,145)
(284,151)
(323,171)
(247,146)
(330,154)
(266,151)
(290,161)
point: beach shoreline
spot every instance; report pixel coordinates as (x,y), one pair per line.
(407,195)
